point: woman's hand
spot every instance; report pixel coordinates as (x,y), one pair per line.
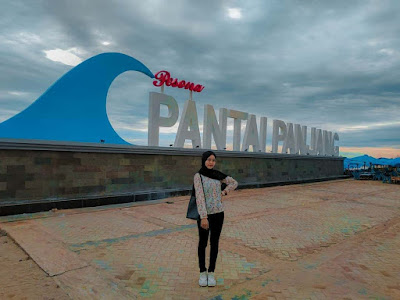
(204,224)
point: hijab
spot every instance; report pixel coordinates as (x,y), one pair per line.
(211,173)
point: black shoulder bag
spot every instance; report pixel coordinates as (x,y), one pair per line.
(192,212)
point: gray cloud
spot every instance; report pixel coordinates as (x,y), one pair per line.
(326,64)
(378,136)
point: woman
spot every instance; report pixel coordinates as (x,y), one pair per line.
(207,184)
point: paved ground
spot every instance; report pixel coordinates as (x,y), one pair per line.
(331,240)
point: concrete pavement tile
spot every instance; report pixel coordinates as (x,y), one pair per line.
(21,276)
(175,266)
(89,283)
(95,226)
(344,235)
(47,251)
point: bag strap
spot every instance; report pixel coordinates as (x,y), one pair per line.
(202,186)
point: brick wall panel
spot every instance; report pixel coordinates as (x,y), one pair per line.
(41,175)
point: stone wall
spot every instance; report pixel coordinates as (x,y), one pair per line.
(50,172)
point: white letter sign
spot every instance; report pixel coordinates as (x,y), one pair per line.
(211,127)
(251,135)
(293,136)
(278,134)
(155,120)
(188,119)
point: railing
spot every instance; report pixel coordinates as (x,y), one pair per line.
(385,174)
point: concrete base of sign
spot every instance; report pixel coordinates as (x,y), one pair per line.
(40,175)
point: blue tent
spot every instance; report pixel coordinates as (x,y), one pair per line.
(368,160)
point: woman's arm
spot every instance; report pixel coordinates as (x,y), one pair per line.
(200,200)
(231,184)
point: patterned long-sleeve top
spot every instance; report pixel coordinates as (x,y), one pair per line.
(208,200)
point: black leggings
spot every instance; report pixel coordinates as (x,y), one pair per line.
(215,222)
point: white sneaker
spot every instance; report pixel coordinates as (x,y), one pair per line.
(211,279)
(203,279)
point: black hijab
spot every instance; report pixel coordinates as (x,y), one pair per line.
(211,173)
(214,174)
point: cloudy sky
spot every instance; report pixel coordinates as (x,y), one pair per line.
(334,65)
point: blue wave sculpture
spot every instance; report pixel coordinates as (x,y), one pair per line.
(74,107)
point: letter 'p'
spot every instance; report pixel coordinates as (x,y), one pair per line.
(155,120)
